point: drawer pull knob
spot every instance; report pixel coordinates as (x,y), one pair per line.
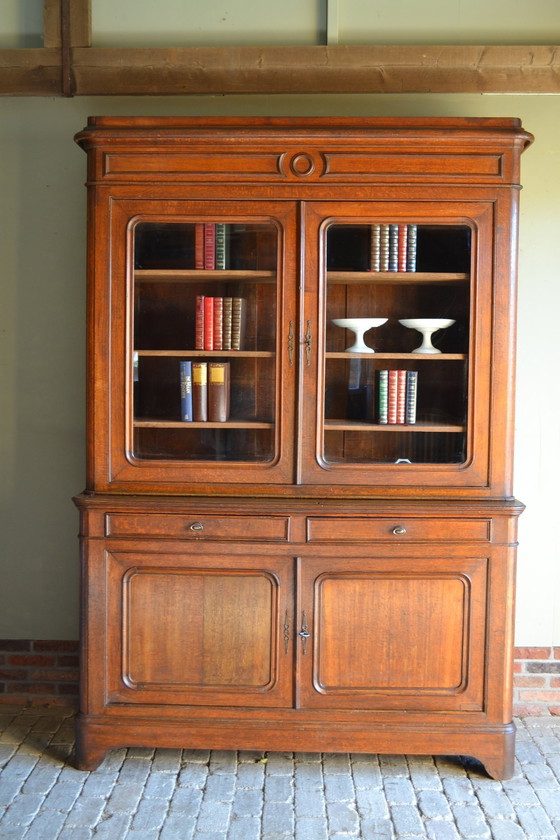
(197,526)
(399,531)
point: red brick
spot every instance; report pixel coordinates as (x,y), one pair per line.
(55,675)
(56,646)
(556,652)
(15,644)
(529,682)
(28,688)
(517,667)
(554,682)
(12,700)
(532,653)
(68,688)
(12,674)
(30,660)
(542,696)
(68,661)
(554,710)
(525,709)
(543,667)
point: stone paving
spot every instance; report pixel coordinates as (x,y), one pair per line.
(145,794)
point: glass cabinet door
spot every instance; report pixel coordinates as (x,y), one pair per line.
(207,311)
(395,355)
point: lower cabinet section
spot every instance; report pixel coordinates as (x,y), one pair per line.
(386,645)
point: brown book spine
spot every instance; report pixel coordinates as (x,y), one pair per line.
(238,318)
(226,323)
(200,391)
(218,391)
(199,245)
(218,323)
(199,323)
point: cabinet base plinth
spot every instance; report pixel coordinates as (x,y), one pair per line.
(492,745)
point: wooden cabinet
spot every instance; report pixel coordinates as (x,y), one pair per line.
(298,530)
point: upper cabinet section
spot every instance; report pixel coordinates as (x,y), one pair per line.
(281,305)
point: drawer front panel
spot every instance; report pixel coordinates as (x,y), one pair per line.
(198,526)
(365,529)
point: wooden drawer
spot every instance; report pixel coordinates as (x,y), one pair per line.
(409,529)
(197,526)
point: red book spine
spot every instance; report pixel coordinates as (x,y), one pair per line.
(209,246)
(392,397)
(402,247)
(199,245)
(208,323)
(218,322)
(401,396)
(199,323)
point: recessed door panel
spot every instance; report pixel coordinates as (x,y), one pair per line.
(199,633)
(395,634)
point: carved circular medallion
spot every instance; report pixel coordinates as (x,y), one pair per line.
(302,165)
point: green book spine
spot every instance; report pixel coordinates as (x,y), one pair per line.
(382,396)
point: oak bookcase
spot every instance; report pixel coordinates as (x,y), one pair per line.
(303,575)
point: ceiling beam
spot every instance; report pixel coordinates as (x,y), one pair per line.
(69,66)
(319,69)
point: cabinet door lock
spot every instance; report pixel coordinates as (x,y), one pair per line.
(399,531)
(304,633)
(308,342)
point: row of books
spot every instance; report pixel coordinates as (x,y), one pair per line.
(397,396)
(205,390)
(220,323)
(211,246)
(393,247)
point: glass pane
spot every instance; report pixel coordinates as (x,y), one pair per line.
(397,343)
(204,360)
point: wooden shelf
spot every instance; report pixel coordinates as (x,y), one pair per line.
(396,277)
(357,426)
(207,424)
(424,357)
(196,275)
(211,354)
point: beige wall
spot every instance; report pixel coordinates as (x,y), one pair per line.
(42,281)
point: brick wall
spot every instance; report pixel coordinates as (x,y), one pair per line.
(537,681)
(38,672)
(46,673)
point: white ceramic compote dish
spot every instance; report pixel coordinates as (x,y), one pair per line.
(359,326)
(426,326)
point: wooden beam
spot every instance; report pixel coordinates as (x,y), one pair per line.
(79,17)
(172,71)
(30,72)
(321,69)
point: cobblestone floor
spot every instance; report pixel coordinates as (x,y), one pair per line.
(143,794)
